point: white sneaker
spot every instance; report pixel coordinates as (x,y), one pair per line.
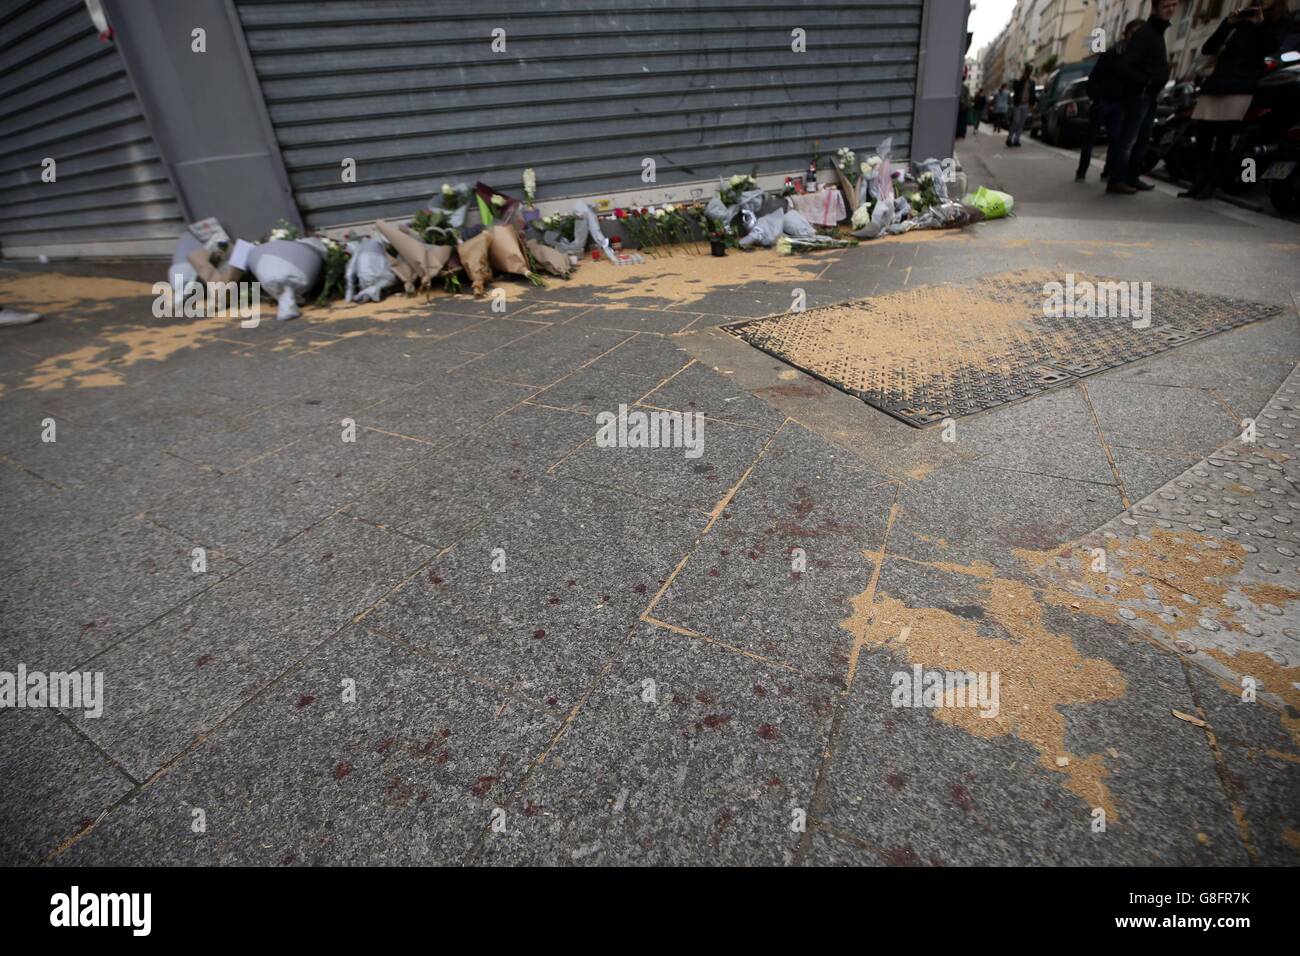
(14,317)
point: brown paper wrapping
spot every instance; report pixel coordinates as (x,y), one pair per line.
(552,260)
(420,262)
(850,191)
(505,253)
(210,273)
(474,256)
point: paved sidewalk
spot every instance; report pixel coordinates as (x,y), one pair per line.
(473,635)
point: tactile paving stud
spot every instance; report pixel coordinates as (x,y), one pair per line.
(1238,583)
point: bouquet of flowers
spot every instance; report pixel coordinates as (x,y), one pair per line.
(509,256)
(370,270)
(563,224)
(862,215)
(287,269)
(335,271)
(846,161)
(494,206)
(871,175)
(453,202)
(453,197)
(850,175)
(675,223)
(736,186)
(717,233)
(637,227)
(418,262)
(432,227)
(530,193)
(928,194)
(788,245)
(880,178)
(284,230)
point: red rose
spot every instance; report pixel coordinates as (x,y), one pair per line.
(619,214)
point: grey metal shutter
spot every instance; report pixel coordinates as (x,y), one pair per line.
(586,88)
(66,96)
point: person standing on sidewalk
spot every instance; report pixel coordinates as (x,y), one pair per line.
(1242,41)
(977,111)
(1023,97)
(1001,106)
(1147,57)
(1106,86)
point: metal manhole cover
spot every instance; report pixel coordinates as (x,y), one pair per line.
(934,352)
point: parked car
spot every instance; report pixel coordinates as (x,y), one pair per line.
(1066,121)
(1052,89)
(1283,174)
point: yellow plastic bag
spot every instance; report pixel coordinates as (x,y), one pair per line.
(991,202)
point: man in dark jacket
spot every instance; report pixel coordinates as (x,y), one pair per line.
(1147,57)
(1024,96)
(1106,88)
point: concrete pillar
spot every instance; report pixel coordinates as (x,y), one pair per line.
(938,79)
(206,111)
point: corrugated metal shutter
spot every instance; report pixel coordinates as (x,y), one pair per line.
(584,91)
(66,96)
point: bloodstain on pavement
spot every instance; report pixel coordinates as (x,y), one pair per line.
(714,721)
(204,661)
(306,700)
(386,744)
(896,781)
(342,770)
(904,856)
(724,818)
(767,731)
(481,788)
(539,634)
(961,796)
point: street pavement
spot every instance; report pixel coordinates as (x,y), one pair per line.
(475,635)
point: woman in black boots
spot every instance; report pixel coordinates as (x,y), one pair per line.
(1242,41)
